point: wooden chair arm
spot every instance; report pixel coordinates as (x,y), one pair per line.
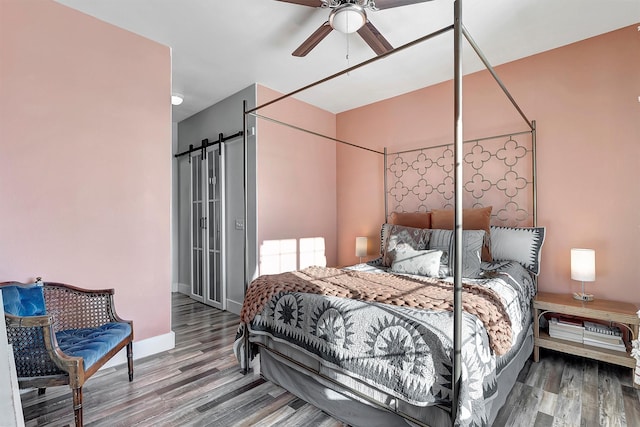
(36,351)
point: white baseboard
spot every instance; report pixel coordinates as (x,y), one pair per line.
(144,348)
(234,307)
(183,288)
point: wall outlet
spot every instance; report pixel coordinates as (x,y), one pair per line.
(239,224)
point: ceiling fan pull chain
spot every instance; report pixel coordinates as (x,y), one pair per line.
(348,64)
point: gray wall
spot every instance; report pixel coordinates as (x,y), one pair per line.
(225,117)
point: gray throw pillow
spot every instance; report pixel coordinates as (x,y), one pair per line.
(443,240)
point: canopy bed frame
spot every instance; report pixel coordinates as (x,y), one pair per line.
(454,197)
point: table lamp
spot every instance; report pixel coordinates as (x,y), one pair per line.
(361,247)
(583,268)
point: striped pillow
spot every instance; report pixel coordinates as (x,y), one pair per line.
(444,240)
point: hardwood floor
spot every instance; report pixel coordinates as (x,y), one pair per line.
(199,383)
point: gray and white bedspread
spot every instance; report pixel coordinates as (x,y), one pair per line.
(401,351)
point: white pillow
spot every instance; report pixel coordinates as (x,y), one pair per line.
(520,244)
(410,261)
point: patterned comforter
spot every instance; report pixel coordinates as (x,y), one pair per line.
(402,351)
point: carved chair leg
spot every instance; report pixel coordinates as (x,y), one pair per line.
(77,405)
(130,360)
(41,391)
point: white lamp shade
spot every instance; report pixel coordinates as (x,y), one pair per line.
(361,246)
(347,18)
(583,264)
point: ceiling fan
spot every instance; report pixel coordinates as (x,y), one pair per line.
(349,16)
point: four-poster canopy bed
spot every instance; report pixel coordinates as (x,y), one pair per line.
(383,344)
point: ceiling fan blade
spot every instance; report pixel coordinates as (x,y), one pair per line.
(374,39)
(388,4)
(311,3)
(313,40)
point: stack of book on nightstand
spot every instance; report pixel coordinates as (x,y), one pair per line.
(566,329)
(603,336)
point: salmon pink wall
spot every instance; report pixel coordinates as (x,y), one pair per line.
(85,158)
(296,178)
(584,97)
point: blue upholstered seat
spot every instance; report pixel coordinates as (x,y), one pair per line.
(23,300)
(92,343)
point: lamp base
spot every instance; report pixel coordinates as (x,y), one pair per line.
(582,297)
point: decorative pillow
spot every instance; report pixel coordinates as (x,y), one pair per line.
(413,219)
(417,238)
(23,300)
(443,240)
(410,261)
(472,219)
(520,244)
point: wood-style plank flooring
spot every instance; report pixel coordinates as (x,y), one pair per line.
(199,383)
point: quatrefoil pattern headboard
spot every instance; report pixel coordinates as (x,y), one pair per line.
(497,171)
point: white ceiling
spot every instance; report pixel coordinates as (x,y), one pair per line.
(220,47)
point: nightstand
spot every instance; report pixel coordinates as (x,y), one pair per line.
(622,313)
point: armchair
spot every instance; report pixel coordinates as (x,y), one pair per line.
(62,335)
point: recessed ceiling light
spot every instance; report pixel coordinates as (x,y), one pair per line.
(176,99)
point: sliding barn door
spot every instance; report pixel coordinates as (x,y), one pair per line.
(207,225)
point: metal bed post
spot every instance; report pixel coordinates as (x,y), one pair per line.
(534,173)
(355,67)
(310,132)
(457,272)
(246,238)
(493,73)
(386,206)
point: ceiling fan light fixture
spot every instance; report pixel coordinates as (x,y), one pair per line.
(347,18)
